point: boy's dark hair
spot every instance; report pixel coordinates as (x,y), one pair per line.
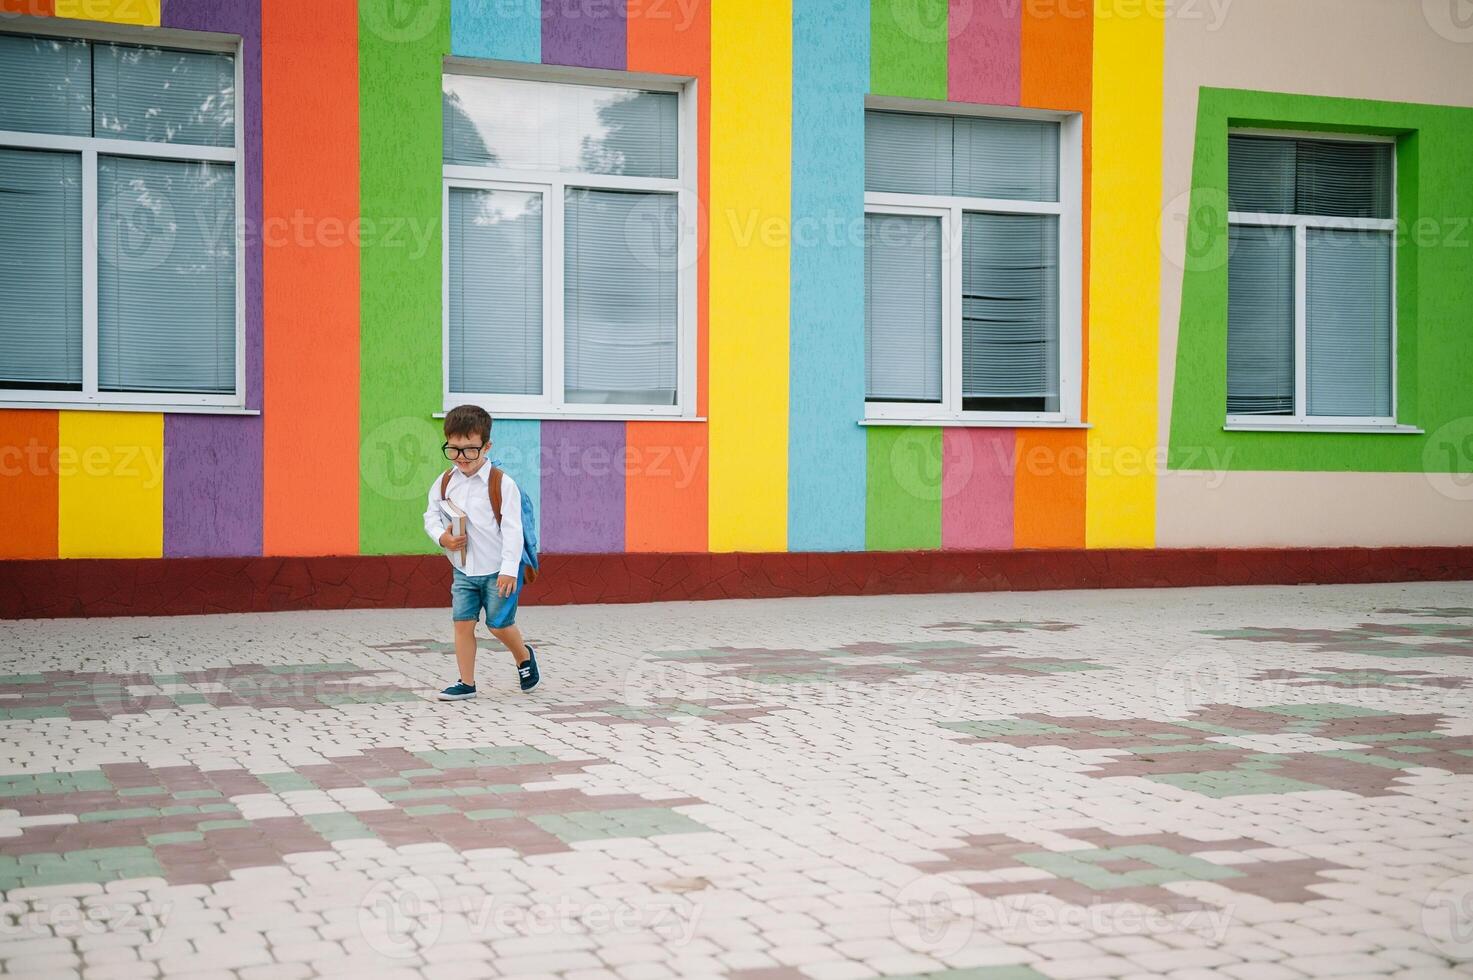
(468,420)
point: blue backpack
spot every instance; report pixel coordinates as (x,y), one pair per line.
(529,519)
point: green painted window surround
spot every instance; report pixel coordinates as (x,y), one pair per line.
(1434,290)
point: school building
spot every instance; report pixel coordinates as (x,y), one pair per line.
(767,297)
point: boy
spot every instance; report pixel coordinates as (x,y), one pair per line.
(492,578)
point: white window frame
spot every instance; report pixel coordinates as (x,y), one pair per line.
(552,184)
(952,209)
(1300,420)
(90,397)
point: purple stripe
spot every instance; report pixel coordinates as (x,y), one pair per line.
(588,33)
(583,471)
(212,485)
(212,468)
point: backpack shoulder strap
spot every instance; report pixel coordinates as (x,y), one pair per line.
(493,484)
(445,482)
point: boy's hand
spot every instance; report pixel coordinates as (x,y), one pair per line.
(452,541)
(506,585)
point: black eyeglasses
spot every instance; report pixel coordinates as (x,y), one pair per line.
(469,452)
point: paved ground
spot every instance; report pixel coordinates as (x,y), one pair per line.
(1250,783)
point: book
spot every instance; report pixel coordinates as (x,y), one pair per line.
(456,517)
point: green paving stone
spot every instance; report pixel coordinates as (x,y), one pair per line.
(176,837)
(22,679)
(1004,726)
(198,794)
(1222,783)
(219,808)
(209,825)
(143,791)
(1169,736)
(314,668)
(133,814)
(386,781)
(418,794)
(1167,749)
(428,811)
(490,814)
(413,773)
(285,782)
(31,714)
(1370,760)
(494,755)
(161,679)
(1323,712)
(339,826)
(473,791)
(1410,749)
(178,811)
(1398,737)
(183,699)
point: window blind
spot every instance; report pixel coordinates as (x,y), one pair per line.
(1260,377)
(913,153)
(162,95)
(1348,334)
(495,300)
(45,85)
(1332,178)
(902,310)
(1010,312)
(165,275)
(620,302)
(527,125)
(40,269)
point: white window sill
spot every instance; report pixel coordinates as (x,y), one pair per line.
(949,422)
(1404,430)
(164,409)
(585,417)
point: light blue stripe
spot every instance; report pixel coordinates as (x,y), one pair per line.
(508,30)
(826,446)
(517,445)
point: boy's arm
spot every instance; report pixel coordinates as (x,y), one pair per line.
(511,527)
(435,522)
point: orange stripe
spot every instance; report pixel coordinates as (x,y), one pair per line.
(1048,489)
(1049,493)
(309,122)
(666,503)
(1058,51)
(35,8)
(28,445)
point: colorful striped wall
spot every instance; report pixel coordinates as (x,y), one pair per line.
(341,116)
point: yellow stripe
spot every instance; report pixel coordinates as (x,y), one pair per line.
(1125,275)
(145,12)
(110,485)
(750,221)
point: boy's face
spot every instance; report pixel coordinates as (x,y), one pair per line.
(470,443)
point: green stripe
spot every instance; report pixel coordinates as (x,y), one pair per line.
(399,67)
(903,489)
(908,48)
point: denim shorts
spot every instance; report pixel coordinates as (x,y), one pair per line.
(469,594)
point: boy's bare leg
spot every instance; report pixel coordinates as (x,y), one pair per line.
(465,650)
(511,636)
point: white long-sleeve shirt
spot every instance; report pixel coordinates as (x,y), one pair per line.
(489,550)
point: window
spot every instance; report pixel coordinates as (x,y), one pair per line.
(972,268)
(569,262)
(119,251)
(1310,281)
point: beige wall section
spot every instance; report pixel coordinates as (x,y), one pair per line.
(1280,510)
(1366,49)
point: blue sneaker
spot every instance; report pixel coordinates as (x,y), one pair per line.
(527,671)
(459,691)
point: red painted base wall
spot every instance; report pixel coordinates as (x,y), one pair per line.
(178,586)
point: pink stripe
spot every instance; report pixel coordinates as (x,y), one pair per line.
(977,488)
(984,62)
